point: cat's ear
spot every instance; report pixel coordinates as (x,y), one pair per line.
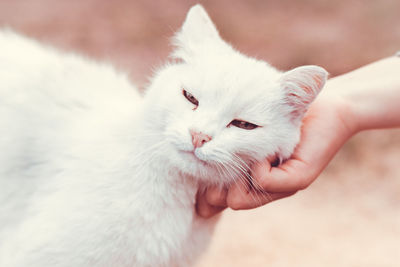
(197,30)
(301,85)
(198,25)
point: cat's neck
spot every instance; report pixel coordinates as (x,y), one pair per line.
(160,181)
(153,154)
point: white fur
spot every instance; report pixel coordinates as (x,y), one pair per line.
(92,174)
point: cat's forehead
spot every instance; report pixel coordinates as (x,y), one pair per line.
(231,77)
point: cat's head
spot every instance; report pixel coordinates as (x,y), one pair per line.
(219,110)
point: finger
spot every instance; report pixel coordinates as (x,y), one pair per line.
(203,208)
(238,199)
(237,195)
(293,175)
(216,196)
(240,196)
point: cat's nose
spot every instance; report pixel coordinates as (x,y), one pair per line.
(199,138)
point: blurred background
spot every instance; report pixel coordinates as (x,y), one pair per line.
(351,215)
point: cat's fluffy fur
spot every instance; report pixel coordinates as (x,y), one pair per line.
(93,174)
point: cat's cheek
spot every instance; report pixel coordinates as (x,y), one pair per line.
(249,145)
(181,142)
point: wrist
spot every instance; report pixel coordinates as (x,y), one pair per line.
(367,98)
(334,96)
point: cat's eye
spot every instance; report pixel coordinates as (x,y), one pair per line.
(243,124)
(190,97)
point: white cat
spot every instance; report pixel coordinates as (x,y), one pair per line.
(92,174)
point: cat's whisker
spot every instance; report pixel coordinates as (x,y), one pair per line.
(253,181)
(237,173)
(220,172)
(245,178)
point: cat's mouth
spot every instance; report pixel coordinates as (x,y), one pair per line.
(192,156)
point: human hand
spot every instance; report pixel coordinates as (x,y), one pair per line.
(366,98)
(326,127)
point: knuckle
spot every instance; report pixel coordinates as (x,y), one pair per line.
(215,198)
(205,212)
(303,183)
(261,182)
(235,204)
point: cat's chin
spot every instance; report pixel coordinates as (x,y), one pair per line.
(191,156)
(192,163)
(206,171)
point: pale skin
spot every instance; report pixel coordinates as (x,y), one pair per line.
(367,98)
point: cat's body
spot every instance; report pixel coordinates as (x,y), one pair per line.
(93,174)
(71,148)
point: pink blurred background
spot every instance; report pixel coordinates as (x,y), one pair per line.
(351,215)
